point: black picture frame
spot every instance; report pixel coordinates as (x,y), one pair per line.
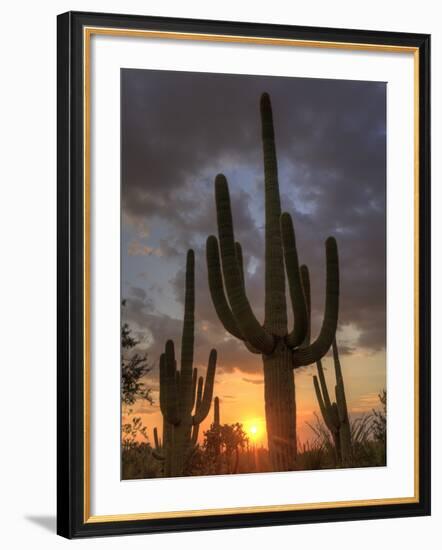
(71,519)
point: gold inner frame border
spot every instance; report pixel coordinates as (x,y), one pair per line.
(88,32)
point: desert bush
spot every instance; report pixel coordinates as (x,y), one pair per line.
(137,462)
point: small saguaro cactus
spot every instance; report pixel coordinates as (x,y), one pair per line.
(216,416)
(335,414)
(282,350)
(185,399)
(217,427)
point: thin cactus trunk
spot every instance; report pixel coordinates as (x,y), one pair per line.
(341,400)
(282,350)
(217,426)
(181,391)
(216,414)
(335,414)
(337,445)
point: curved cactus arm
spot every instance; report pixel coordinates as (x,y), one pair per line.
(187,340)
(239,259)
(338,372)
(199,393)
(156,452)
(315,351)
(199,398)
(194,383)
(339,388)
(194,436)
(206,400)
(340,401)
(305,278)
(297,336)
(323,383)
(324,411)
(216,287)
(157,455)
(168,385)
(275,298)
(249,326)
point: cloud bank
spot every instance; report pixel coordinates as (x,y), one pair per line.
(180,129)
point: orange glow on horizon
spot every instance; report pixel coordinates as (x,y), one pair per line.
(242,399)
(255,430)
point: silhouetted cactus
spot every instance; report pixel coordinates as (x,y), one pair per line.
(216,416)
(282,350)
(216,427)
(335,414)
(184,398)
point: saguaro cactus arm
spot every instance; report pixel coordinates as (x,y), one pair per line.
(194,436)
(337,363)
(340,402)
(216,287)
(323,383)
(216,416)
(158,456)
(156,439)
(187,340)
(307,355)
(305,277)
(239,259)
(275,300)
(163,387)
(194,384)
(189,315)
(322,407)
(249,326)
(156,451)
(328,410)
(199,393)
(168,382)
(203,410)
(339,388)
(199,397)
(299,332)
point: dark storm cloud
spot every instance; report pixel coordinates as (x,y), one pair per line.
(182,128)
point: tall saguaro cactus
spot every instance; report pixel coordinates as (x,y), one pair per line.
(185,399)
(335,414)
(282,350)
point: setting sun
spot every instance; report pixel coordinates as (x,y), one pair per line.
(255,429)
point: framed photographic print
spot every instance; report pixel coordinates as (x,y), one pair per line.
(243,274)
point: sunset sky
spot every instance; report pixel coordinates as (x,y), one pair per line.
(178,131)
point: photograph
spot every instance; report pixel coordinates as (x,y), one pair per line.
(253,274)
(224,215)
